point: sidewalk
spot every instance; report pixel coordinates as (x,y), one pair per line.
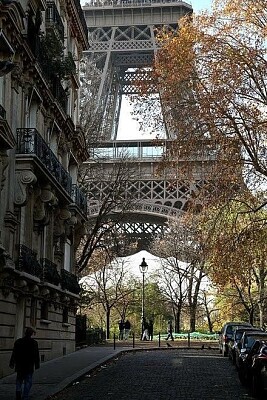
(55,375)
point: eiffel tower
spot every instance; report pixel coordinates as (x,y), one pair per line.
(122,39)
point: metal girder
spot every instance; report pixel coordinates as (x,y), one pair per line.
(122,35)
(129,79)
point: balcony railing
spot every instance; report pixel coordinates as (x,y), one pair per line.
(29,141)
(27,262)
(2,112)
(50,273)
(136,3)
(53,19)
(69,282)
(79,198)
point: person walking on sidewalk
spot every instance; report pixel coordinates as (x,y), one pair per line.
(121,329)
(25,357)
(170,330)
(150,329)
(127,327)
(145,330)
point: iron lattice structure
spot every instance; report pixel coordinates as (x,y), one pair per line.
(154,195)
(122,39)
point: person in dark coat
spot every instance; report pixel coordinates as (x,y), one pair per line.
(25,358)
(127,327)
(150,329)
(170,330)
(121,329)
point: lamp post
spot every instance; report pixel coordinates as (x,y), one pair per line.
(143,269)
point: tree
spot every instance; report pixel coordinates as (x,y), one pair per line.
(181,280)
(211,76)
(107,287)
(108,204)
(173,288)
(53,59)
(237,254)
(210,307)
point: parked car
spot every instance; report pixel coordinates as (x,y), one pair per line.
(226,335)
(233,344)
(259,372)
(249,346)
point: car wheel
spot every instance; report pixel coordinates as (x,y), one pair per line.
(224,351)
(241,377)
(256,385)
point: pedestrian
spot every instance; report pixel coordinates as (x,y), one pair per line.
(145,330)
(150,329)
(25,357)
(170,330)
(121,329)
(127,327)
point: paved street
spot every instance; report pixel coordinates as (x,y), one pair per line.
(171,374)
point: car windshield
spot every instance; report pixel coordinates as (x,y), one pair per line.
(250,340)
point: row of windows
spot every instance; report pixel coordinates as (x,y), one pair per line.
(44,314)
(133,152)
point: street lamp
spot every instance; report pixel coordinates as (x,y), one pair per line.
(143,269)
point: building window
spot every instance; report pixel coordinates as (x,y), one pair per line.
(67,255)
(65,315)
(44,310)
(33,313)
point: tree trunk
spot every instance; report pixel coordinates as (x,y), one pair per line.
(108,323)
(193,319)
(193,294)
(177,319)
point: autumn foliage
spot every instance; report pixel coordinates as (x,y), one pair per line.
(211,78)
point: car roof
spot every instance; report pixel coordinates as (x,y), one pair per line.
(238,323)
(255,334)
(247,328)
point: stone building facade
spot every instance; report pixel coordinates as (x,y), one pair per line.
(42,208)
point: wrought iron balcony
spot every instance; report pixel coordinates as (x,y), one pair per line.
(29,141)
(53,19)
(69,282)
(27,262)
(79,198)
(2,112)
(50,273)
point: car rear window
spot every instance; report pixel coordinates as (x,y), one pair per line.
(250,340)
(231,328)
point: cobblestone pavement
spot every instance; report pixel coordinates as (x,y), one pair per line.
(171,374)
